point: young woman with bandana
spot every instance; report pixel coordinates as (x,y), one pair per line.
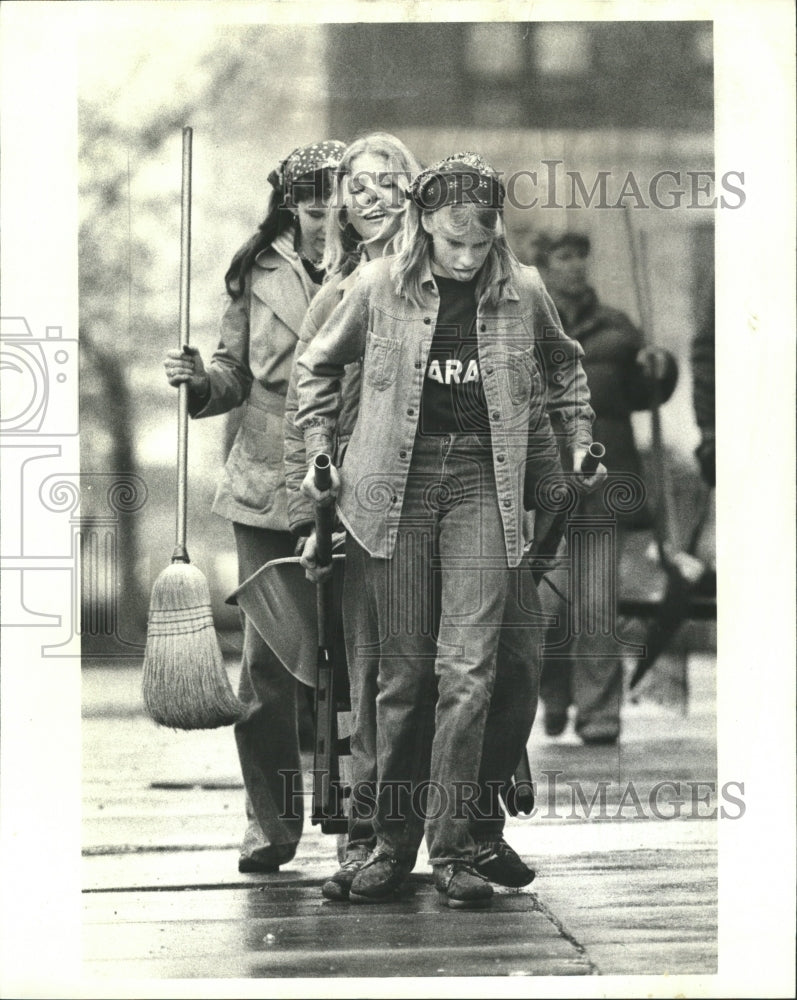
(270,283)
(466,372)
(365,223)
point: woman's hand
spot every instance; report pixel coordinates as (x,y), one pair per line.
(186,366)
(309,559)
(655,363)
(587,483)
(322,497)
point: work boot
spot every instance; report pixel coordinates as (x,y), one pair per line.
(379,879)
(498,862)
(337,887)
(461,887)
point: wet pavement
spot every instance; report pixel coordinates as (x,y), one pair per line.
(624,840)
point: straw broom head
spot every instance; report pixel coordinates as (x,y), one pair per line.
(185,683)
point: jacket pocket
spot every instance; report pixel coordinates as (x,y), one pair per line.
(380,364)
(525,380)
(254,466)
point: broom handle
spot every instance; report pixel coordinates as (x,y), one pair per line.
(180,553)
(663,519)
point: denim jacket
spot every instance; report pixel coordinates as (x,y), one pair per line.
(533,383)
(301,512)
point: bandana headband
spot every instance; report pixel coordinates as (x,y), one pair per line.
(305,160)
(459,179)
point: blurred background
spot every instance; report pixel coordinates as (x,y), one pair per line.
(595,97)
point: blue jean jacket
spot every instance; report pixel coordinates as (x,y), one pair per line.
(533,382)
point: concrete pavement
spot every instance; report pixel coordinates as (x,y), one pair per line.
(624,840)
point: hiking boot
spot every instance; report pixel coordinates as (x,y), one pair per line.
(337,887)
(461,887)
(496,861)
(250,866)
(379,879)
(266,861)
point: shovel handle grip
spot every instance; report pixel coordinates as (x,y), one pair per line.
(324,513)
(592,459)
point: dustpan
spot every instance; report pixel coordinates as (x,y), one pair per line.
(280,602)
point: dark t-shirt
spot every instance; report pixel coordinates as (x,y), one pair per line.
(453,396)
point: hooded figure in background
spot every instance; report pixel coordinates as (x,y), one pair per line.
(623,376)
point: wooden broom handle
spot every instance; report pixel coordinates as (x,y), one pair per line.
(663,528)
(180,552)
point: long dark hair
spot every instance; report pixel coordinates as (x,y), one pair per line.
(279,218)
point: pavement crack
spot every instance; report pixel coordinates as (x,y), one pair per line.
(567,935)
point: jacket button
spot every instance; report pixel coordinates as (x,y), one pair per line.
(488,371)
(427,320)
(500,458)
(394,499)
(410,412)
(402,454)
(496,415)
(483,327)
(507,503)
(418,364)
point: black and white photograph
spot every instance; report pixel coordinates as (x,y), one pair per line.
(398,499)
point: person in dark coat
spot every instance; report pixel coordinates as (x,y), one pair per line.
(623,376)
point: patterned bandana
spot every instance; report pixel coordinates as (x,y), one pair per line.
(463,177)
(306,160)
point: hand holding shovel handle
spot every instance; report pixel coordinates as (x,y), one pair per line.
(592,459)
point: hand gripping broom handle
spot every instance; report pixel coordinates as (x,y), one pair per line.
(180,553)
(663,519)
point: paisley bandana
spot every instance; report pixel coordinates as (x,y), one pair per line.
(462,177)
(306,160)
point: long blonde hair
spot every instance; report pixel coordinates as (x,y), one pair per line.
(495,275)
(343,247)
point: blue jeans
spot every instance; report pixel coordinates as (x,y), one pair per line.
(438,604)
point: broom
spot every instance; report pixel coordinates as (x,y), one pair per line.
(185,684)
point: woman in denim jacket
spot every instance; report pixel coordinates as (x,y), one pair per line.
(466,373)
(270,284)
(364,223)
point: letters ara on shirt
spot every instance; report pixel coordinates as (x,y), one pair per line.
(453,371)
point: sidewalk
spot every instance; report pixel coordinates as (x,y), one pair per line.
(619,891)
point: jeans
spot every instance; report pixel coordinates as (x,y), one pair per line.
(267,737)
(438,606)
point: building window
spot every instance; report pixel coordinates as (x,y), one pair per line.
(494,51)
(562,50)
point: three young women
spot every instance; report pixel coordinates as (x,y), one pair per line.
(466,379)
